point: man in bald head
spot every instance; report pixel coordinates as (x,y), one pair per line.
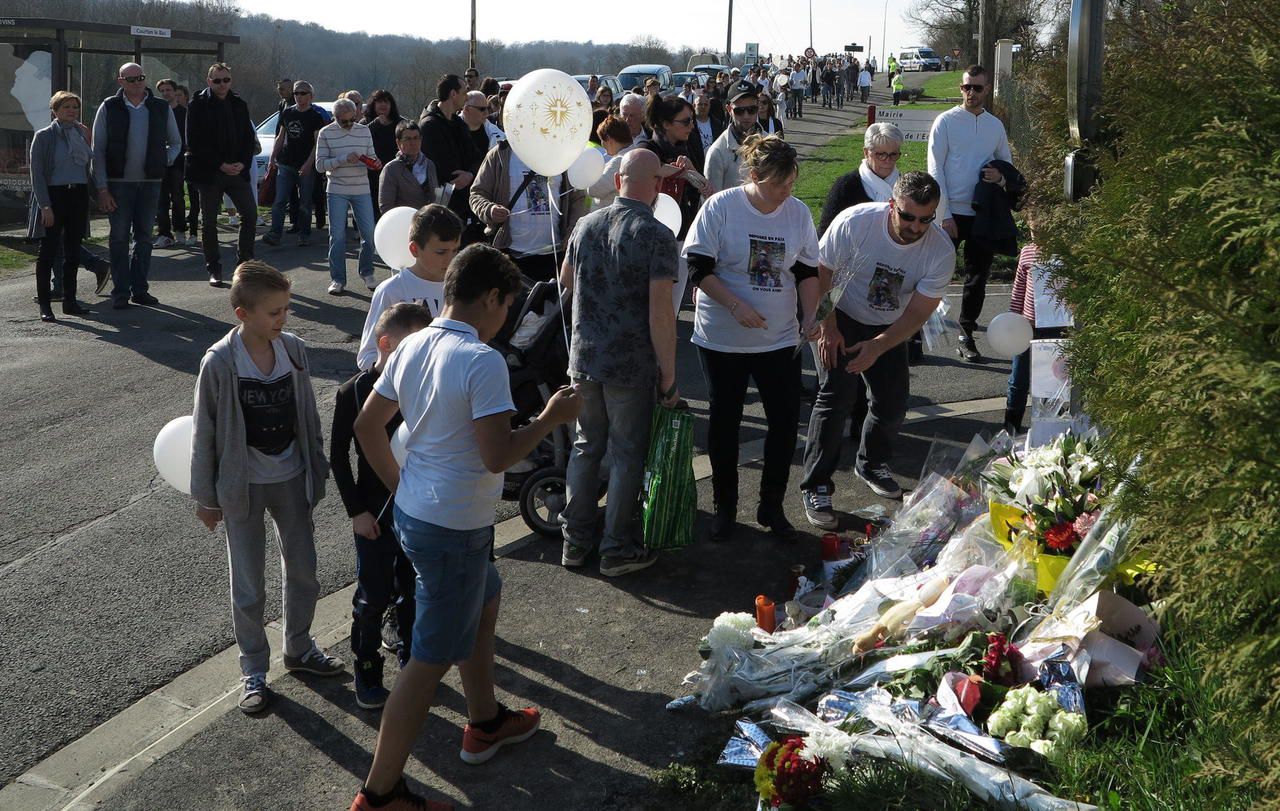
(620,264)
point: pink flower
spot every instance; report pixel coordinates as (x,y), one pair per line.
(1084,522)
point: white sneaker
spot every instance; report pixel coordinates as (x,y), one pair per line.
(336,288)
(370,281)
(233,221)
(162,242)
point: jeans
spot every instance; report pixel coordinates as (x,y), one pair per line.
(797,104)
(171,199)
(292,185)
(777,378)
(977,265)
(616,418)
(1015,399)
(361,206)
(826,95)
(865,91)
(70,206)
(237,188)
(135,214)
(246,554)
(887,382)
(384,577)
(840,96)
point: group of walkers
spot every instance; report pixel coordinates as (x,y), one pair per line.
(747,258)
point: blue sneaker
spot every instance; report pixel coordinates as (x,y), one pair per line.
(370,694)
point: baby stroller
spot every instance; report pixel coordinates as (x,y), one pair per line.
(537,354)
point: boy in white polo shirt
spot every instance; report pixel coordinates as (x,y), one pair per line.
(454,394)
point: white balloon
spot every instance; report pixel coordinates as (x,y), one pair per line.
(172,453)
(667,210)
(391,237)
(587,169)
(1009,334)
(547,117)
(398,440)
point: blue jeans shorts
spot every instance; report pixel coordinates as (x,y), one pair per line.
(455,581)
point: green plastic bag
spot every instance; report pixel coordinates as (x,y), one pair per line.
(670,493)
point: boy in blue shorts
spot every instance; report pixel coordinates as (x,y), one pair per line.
(257,448)
(454,394)
(384,576)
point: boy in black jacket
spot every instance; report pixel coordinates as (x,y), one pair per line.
(383,574)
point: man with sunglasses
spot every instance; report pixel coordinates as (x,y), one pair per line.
(890,265)
(724,165)
(294,158)
(962,142)
(135,140)
(220,149)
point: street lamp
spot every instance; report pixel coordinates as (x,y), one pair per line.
(884,28)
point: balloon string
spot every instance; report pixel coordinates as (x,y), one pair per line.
(564,322)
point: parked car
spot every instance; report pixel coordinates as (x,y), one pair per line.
(918,57)
(633,77)
(266,132)
(712,70)
(700,80)
(606,80)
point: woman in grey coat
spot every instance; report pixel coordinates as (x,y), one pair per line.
(60,184)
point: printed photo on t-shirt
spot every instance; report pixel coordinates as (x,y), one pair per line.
(765,264)
(885,288)
(536,196)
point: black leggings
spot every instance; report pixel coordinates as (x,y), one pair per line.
(777,378)
(70,206)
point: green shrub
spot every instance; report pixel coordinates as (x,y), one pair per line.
(1172,267)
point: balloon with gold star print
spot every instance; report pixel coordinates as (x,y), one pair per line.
(547,117)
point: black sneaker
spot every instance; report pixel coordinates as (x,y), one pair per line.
(817,507)
(256,696)
(968,350)
(881,481)
(773,517)
(370,694)
(315,662)
(614,565)
(270,238)
(146,299)
(722,524)
(573,556)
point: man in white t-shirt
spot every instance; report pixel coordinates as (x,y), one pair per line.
(893,264)
(434,236)
(962,141)
(455,397)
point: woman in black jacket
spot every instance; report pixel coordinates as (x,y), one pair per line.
(770,124)
(382,116)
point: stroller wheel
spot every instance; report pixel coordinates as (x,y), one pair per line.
(542,499)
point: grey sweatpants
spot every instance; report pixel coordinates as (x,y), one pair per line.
(246,557)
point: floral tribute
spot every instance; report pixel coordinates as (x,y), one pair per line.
(785,778)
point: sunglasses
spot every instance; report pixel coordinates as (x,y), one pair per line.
(141,77)
(223,80)
(484,109)
(973,88)
(302,92)
(752,110)
(913,218)
(684,122)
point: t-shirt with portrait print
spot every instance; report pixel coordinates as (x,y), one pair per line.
(882,274)
(754,254)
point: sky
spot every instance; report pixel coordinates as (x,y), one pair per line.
(778,27)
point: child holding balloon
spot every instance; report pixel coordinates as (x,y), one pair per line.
(383,573)
(257,448)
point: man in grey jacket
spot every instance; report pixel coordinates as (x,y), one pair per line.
(135,139)
(724,165)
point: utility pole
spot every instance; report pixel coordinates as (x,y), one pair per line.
(472,61)
(986,33)
(811,23)
(728,36)
(884,42)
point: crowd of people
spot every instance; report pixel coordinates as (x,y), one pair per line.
(746,257)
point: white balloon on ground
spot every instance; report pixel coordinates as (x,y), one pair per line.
(391,237)
(667,210)
(172,453)
(547,117)
(1009,334)
(398,440)
(587,169)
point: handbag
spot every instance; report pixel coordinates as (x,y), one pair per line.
(267,190)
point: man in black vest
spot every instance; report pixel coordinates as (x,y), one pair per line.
(135,139)
(220,147)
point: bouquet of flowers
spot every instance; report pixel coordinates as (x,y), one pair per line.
(1050,494)
(786,778)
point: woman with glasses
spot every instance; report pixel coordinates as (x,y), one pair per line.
(382,116)
(670,120)
(753,256)
(770,124)
(725,168)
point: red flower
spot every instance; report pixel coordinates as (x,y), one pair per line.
(1061,537)
(796,780)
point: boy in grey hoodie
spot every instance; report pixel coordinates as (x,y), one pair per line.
(257,448)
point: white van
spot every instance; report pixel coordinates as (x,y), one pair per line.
(918,57)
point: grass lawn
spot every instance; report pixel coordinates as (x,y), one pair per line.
(944,85)
(819,171)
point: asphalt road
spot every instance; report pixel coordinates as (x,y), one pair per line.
(110,587)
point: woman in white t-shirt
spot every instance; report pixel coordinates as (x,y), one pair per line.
(753,254)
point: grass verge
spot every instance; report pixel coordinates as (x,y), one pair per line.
(820,169)
(945,85)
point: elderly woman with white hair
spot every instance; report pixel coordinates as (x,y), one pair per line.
(872,181)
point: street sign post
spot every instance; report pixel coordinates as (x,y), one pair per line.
(810,53)
(753,53)
(852,48)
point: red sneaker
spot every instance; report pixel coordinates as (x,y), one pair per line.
(402,799)
(517,726)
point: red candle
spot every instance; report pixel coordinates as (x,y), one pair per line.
(766,614)
(830,546)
